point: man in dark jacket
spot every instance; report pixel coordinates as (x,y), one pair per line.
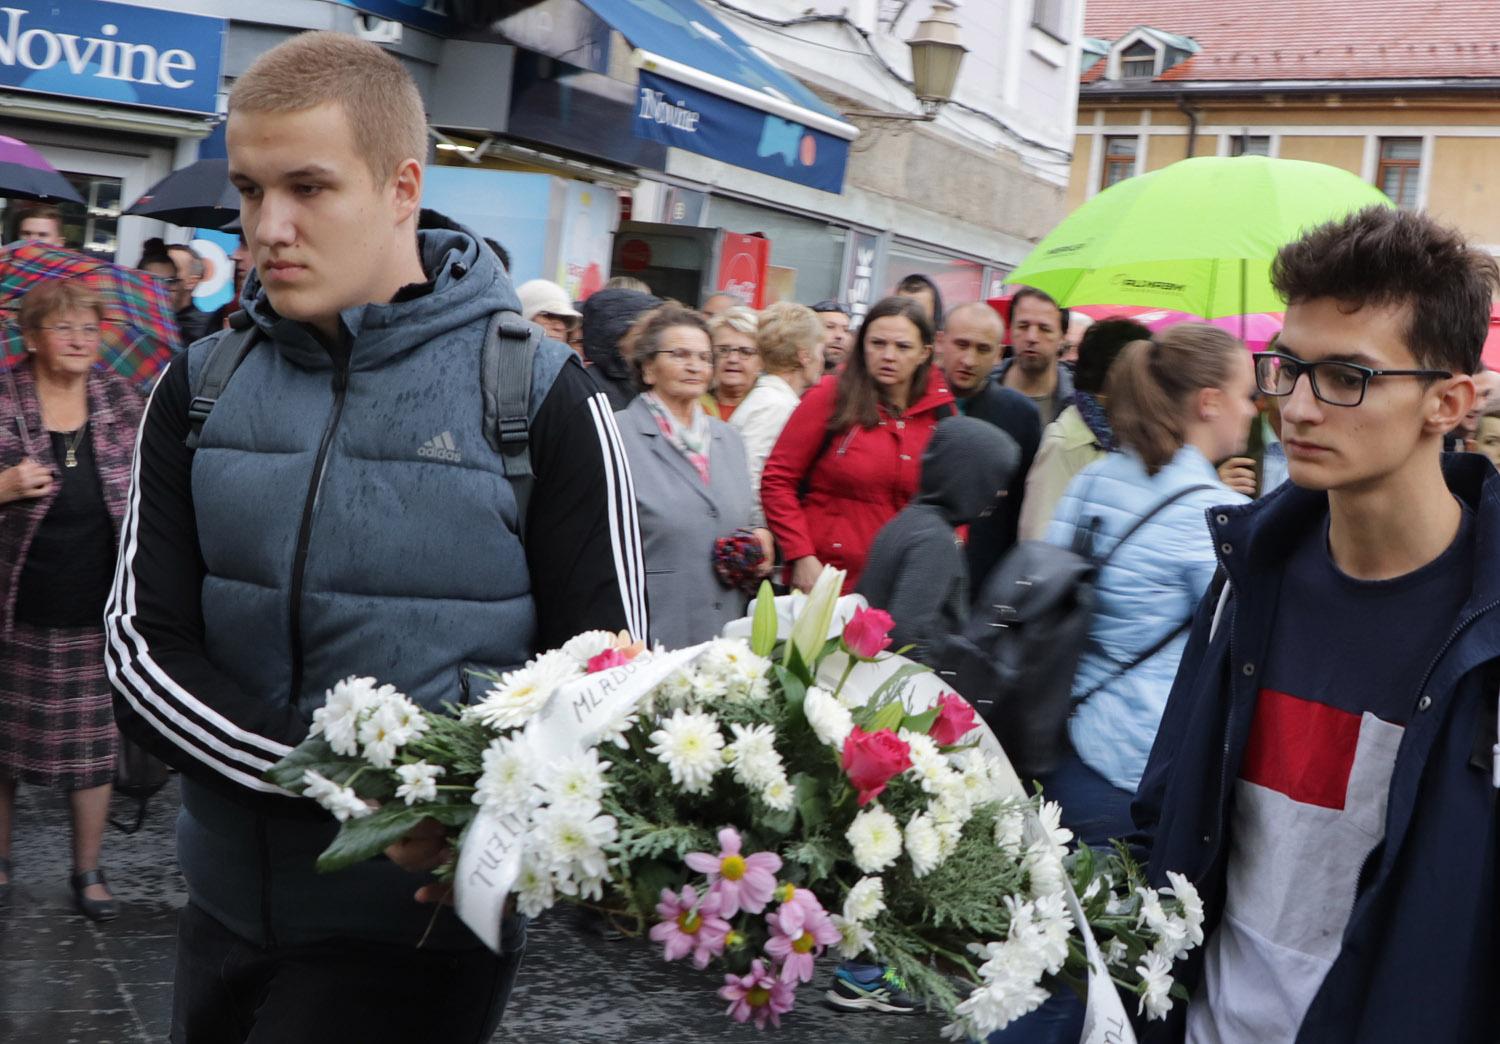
(1037,323)
(607,317)
(967,347)
(915,570)
(1325,771)
(344,514)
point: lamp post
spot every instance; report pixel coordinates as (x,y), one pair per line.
(936,54)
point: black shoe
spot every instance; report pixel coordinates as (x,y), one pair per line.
(93,909)
(883,992)
(5,888)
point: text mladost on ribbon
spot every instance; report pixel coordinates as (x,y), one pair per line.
(572,719)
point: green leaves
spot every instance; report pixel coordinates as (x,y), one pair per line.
(920,723)
(793,686)
(888,717)
(763,631)
(312,753)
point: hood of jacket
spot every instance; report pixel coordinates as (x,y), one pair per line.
(967,464)
(467,282)
(607,315)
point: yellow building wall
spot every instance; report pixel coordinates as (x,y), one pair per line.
(1164,149)
(1463,190)
(1348,153)
(1078,176)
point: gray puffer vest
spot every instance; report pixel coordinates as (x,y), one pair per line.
(353,520)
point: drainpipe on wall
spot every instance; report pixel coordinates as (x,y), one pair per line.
(1192,116)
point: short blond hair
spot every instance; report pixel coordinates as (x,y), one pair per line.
(786,330)
(53,297)
(378,96)
(738,318)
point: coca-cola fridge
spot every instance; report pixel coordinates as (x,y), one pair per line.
(692,264)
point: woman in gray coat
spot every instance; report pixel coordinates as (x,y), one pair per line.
(692,481)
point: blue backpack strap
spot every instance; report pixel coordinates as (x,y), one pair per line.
(223,359)
(510,346)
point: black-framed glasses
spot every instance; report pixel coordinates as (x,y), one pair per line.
(744,351)
(1333,381)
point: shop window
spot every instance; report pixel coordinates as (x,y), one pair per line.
(1119,159)
(92,226)
(1400,169)
(1050,16)
(1138,61)
(1250,145)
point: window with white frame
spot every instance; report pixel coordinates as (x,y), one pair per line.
(1050,16)
(1400,169)
(1138,61)
(1250,145)
(1119,159)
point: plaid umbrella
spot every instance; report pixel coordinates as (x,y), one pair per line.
(139,328)
(25,175)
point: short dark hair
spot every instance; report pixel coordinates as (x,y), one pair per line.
(1098,348)
(495,248)
(39,210)
(1382,256)
(831,305)
(1046,298)
(915,284)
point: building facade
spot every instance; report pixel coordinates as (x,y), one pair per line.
(1405,94)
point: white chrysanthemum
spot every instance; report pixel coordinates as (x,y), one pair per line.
(507,782)
(778,794)
(731,671)
(677,691)
(1050,928)
(875,838)
(521,694)
(533,888)
(753,754)
(582,648)
(1010,987)
(854,938)
(1116,952)
(577,779)
(1010,832)
(571,840)
(930,765)
(923,846)
(866,900)
(1192,905)
(418,781)
(1171,931)
(342,801)
(1051,816)
(689,744)
(620,722)
(830,720)
(382,735)
(1156,986)
(1043,863)
(408,721)
(338,719)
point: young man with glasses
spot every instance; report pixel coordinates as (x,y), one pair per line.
(1326,768)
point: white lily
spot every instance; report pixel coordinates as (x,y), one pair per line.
(810,630)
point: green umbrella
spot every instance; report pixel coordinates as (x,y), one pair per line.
(1198,236)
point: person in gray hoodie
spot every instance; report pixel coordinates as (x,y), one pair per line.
(916,570)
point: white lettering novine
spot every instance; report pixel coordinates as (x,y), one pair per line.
(41,49)
(654,106)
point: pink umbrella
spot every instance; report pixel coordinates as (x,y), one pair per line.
(1255,330)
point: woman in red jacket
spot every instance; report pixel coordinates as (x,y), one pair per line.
(849,458)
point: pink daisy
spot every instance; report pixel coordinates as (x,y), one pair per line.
(800,931)
(759,995)
(741,882)
(689,926)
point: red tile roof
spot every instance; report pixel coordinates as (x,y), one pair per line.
(1314,39)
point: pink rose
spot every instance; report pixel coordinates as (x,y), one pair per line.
(608,659)
(955,718)
(868,633)
(872,759)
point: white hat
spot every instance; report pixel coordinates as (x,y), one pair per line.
(543,295)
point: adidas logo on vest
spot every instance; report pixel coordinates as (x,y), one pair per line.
(441,447)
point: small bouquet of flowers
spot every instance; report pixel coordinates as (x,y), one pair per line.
(757,801)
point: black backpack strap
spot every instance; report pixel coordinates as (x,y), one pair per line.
(1165,640)
(510,345)
(223,359)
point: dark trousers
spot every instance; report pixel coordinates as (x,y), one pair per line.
(1096,811)
(230,991)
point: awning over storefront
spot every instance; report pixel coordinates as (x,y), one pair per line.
(704,89)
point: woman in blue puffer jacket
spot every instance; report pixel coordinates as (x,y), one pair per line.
(1177,404)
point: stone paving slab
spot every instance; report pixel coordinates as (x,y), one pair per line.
(64,980)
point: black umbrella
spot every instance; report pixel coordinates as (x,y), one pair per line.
(25,175)
(197,196)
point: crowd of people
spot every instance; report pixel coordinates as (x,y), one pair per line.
(1285,690)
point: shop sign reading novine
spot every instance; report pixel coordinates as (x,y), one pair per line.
(111,52)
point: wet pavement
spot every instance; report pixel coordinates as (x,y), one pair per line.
(64,980)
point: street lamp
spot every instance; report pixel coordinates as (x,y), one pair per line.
(936,54)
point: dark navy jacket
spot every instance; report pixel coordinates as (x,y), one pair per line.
(1419,959)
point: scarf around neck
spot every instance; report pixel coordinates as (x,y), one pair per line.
(691,440)
(1092,412)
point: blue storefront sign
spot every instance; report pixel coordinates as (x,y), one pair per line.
(111,52)
(431,15)
(687,118)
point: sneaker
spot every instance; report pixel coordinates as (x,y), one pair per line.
(885,992)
